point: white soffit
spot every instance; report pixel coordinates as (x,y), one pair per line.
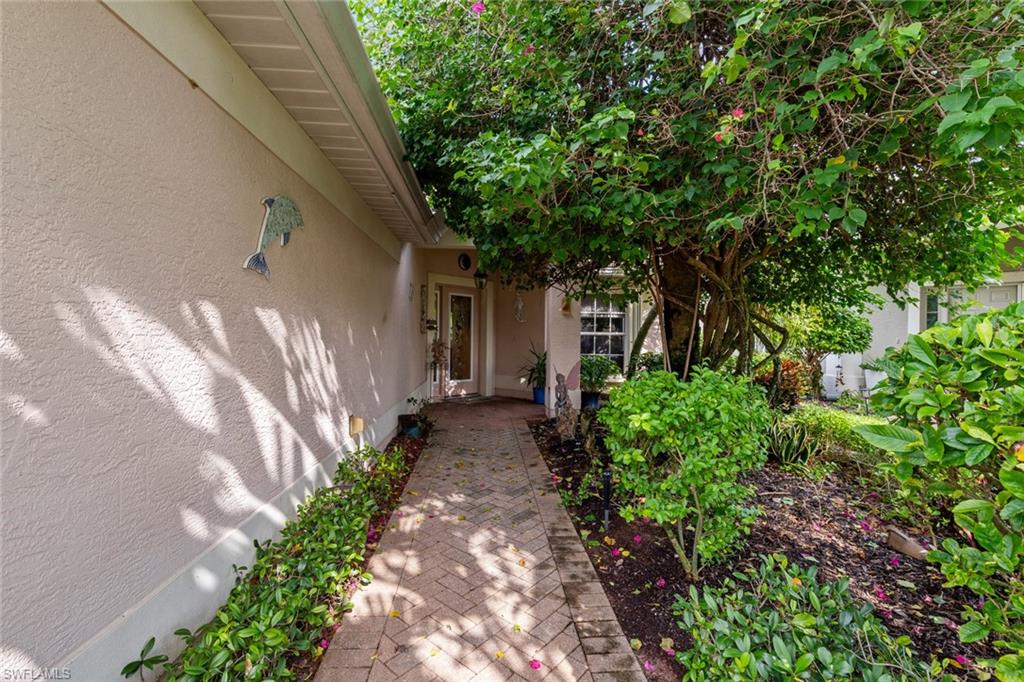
(292,50)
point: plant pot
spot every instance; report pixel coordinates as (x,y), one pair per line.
(409,425)
(538,395)
(591,400)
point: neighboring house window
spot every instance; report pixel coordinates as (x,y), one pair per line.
(603,330)
(931,313)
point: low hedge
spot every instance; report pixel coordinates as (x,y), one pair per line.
(834,428)
(298,585)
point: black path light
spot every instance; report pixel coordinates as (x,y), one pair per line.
(606,478)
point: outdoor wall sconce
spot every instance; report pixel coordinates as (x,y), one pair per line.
(480,278)
(566,306)
(431,325)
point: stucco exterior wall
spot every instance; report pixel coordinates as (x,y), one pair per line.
(156,397)
(513,339)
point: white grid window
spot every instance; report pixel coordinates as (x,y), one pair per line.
(603,330)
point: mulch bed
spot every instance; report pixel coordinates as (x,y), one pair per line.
(305,668)
(833,523)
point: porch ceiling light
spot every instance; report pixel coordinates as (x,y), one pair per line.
(480,278)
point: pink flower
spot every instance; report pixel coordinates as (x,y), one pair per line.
(670,652)
(616,552)
(648,666)
(737,112)
(529,49)
(894,561)
(865,526)
(478,8)
(324,644)
(880,594)
(535,664)
(962,660)
(661,583)
(718,137)
(637,539)
(640,132)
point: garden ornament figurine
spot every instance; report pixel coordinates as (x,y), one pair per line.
(565,414)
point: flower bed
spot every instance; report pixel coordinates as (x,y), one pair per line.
(833,524)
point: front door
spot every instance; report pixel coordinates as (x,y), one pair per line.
(459,330)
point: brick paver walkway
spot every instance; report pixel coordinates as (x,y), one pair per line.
(481,571)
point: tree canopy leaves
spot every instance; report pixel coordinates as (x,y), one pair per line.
(784,152)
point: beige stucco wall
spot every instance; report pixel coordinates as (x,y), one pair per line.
(155,396)
(514,338)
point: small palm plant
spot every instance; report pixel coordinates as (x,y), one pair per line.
(535,373)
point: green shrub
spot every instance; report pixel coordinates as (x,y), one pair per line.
(777,622)
(650,362)
(678,448)
(595,371)
(297,584)
(956,395)
(833,428)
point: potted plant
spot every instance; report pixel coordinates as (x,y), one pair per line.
(417,423)
(594,373)
(535,373)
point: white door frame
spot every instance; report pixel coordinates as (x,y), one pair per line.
(486,344)
(467,385)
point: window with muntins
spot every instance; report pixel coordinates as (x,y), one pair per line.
(603,330)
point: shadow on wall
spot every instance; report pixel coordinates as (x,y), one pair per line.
(144,428)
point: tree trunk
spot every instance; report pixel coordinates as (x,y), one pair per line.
(680,282)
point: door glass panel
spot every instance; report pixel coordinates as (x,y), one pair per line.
(460,337)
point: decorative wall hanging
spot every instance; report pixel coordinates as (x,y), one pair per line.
(281,217)
(423,309)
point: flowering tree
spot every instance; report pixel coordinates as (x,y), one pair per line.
(727,156)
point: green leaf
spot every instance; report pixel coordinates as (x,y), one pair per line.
(679,12)
(984,331)
(973,632)
(1013,514)
(890,437)
(1010,668)
(920,350)
(858,215)
(830,63)
(1013,481)
(970,506)
(131,668)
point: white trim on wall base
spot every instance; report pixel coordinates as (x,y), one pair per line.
(192,596)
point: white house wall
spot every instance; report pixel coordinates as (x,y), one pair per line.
(161,406)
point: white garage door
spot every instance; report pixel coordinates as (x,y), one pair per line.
(988,298)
